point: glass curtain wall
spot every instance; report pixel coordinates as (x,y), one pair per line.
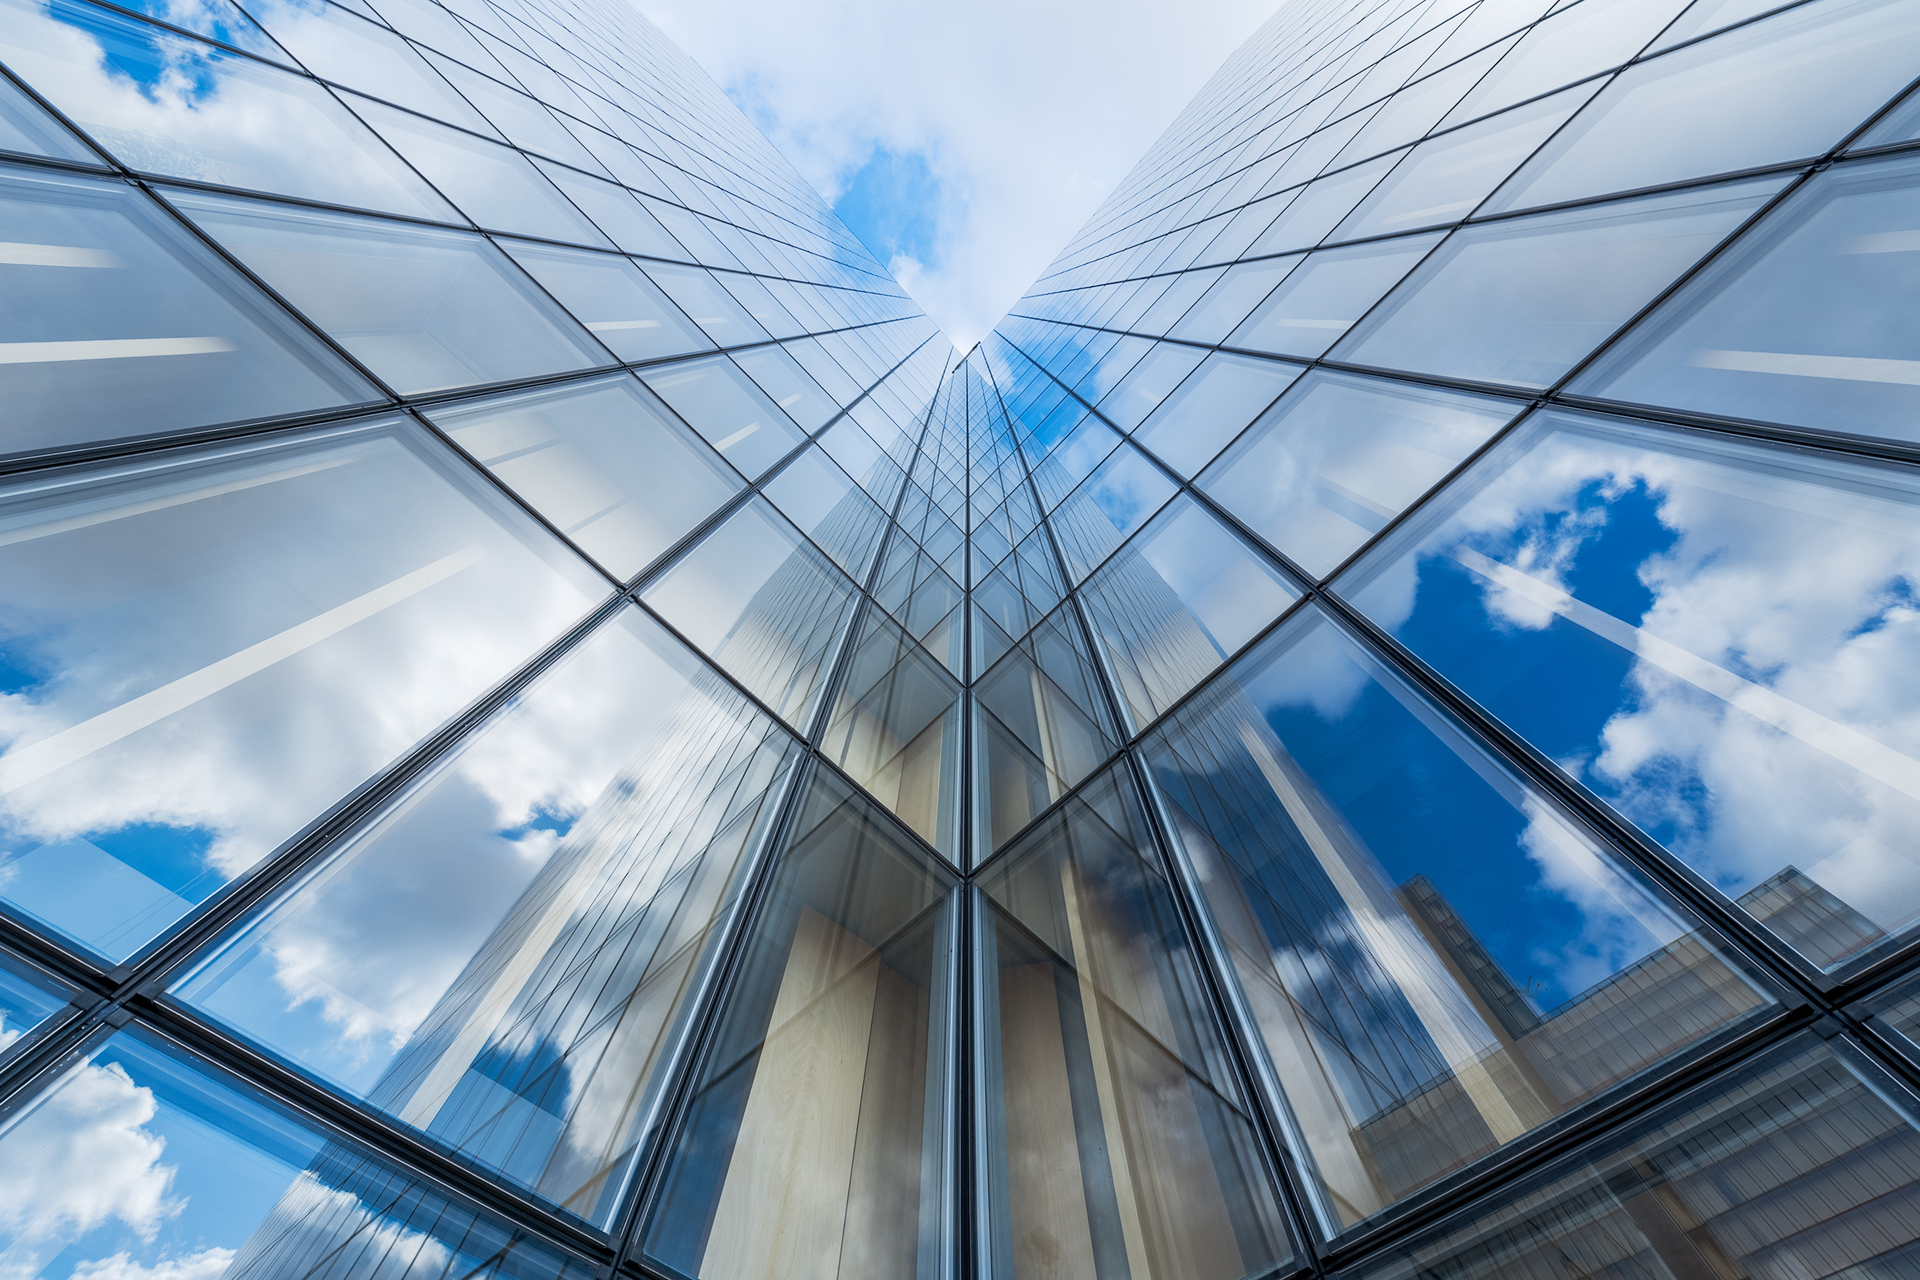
(554,727)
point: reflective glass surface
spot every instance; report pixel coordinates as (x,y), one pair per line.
(1340,455)
(1329,292)
(162,103)
(120,323)
(725,406)
(1596,578)
(1434,959)
(1209,409)
(141,1160)
(1176,602)
(422,308)
(815,1143)
(1806,322)
(1117,1139)
(1523,301)
(603,461)
(616,303)
(1804,1164)
(757,598)
(28,1000)
(206,650)
(523,1020)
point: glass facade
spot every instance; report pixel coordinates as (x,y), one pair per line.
(552,726)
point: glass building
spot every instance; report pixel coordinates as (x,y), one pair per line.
(553,727)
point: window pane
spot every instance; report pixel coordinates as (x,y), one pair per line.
(814,1144)
(1178,601)
(602,460)
(495,186)
(1117,1141)
(500,957)
(165,104)
(120,323)
(714,309)
(1808,320)
(26,128)
(1073,459)
(1232,296)
(1790,87)
(1710,635)
(334,44)
(790,386)
(829,508)
(1322,207)
(724,405)
(1041,729)
(1142,390)
(1327,295)
(423,308)
(763,604)
(1576,42)
(1109,505)
(896,731)
(1435,960)
(1341,455)
(144,1161)
(1523,301)
(1796,1166)
(207,650)
(1212,406)
(609,295)
(1445,179)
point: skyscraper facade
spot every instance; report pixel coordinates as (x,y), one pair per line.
(554,727)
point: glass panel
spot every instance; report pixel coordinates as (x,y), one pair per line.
(864,460)
(337,46)
(602,461)
(1434,959)
(597,833)
(825,370)
(763,604)
(1074,459)
(1322,207)
(142,1161)
(1902,124)
(790,387)
(761,305)
(896,731)
(1325,297)
(204,651)
(1797,1166)
(1445,179)
(610,296)
(1112,503)
(1040,730)
(421,307)
(1523,301)
(1899,1011)
(724,405)
(165,104)
(616,213)
(1142,390)
(494,185)
(1117,1141)
(712,308)
(1710,635)
(1574,43)
(28,998)
(829,508)
(1789,87)
(1212,406)
(1232,296)
(119,322)
(1178,601)
(815,1141)
(1807,320)
(1341,455)
(25,127)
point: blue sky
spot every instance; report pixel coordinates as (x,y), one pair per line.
(963,148)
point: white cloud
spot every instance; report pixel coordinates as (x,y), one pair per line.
(1028,114)
(79,1159)
(208,1264)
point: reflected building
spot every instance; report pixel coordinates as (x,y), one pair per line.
(551,725)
